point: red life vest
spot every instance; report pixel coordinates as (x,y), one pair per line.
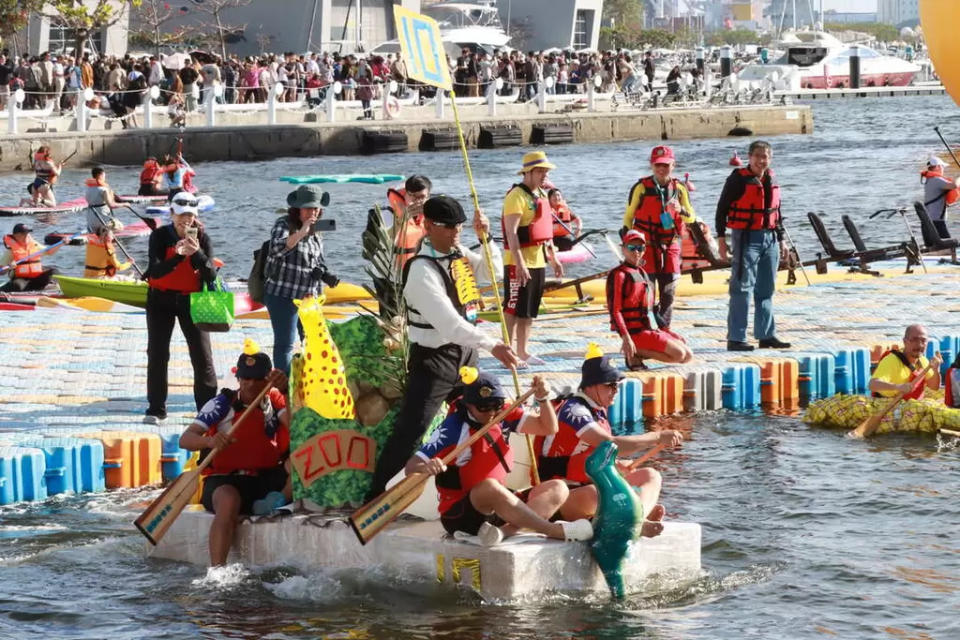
(951,196)
(634,300)
(490,457)
(183,279)
(662,254)
(260,443)
(150,172)
(28,268)
(408,240)
(749,210)
(540,229)
(917,392)
(563,455)
(562,214)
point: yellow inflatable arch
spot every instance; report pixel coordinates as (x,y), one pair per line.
(941,23)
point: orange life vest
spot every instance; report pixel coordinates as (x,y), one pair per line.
(101,259)
(749,211)
(562,214)
(951,196)
(662,254)
(183,279)
(540,229)
(915,371)
(408,239)
(28,268)
(150,172)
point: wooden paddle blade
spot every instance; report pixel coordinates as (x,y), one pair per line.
(162,512)
(868,426)
(369,519)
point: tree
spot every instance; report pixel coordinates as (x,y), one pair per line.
(222,32)
(153,15)
(14,17)
(85,17)
(627,13)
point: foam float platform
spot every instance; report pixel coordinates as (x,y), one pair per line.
(419,552)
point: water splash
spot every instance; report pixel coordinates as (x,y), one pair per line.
(223,578)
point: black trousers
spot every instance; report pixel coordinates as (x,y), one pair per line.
(433,376)
(164,308)
(30,284)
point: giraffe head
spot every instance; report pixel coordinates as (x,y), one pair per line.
(323,380)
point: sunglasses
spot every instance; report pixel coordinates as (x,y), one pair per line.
(635,247)
(490,406)
(456,225)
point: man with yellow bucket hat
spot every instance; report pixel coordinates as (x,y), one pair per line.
(527,224)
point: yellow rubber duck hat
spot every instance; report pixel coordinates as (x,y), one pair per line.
(597,368)
(253,364)
(535,160)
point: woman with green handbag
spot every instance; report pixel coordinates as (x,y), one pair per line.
(181,262)
(295,268)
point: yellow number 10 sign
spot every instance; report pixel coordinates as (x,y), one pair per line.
(421,45)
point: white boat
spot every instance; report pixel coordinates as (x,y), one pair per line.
(818,60)
(413,554)
(471,25)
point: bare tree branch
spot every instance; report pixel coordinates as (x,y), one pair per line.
(215,9)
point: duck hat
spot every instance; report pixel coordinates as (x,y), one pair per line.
(253,364)
(308,196)
(482,389)
(662,155)
(597,368)
(444,210)
(535,160)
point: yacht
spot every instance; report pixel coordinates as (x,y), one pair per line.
(818,60)
(470,25)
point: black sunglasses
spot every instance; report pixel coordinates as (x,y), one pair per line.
(494,405)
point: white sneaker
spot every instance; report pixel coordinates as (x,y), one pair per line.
(577,530)
(491,536)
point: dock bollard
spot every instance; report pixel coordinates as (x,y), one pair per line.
(699,58)
(726,61)
(492,90)
(13,109)
(332,92)
(855,67)
(152,94)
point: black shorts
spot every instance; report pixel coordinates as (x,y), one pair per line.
(523,302)
(463,516)
(251,488)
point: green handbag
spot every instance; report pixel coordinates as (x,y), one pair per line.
(212,309)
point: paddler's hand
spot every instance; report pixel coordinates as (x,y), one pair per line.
(220,440)
(481,224)
(541,388)
(504,353)
(722,247)
(279,380)
(670,438)
(188,246)
(784,252)
(433,466)
(936,361)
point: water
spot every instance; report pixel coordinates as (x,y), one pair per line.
(865,155)
(806,534)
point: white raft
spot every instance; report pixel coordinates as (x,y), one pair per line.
(420,552)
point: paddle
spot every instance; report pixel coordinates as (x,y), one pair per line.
(937,129)
(566,228)
(162,512)
(118,243)
(950,432)
(149,221)
(54,178)
(37,254)
(649,454)
(372,517)
(868,426)
(578,281)
(793,245)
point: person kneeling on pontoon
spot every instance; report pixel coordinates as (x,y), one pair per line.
(583,426)
(250,474)
(632,310)
(473,497)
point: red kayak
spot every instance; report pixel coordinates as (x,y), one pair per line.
(16,306)
(64,207)
(139,228)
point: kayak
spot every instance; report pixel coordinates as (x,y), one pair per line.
(138,199)
(64,207)
(139,228)
(377,178)
(580,252)
(134,292)
(927,415)
(204,203)
(16,306)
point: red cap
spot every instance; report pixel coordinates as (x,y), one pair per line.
(633,236)
(661,155)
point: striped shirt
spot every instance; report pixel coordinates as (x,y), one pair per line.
(293,273)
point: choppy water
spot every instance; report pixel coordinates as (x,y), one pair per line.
(806,534)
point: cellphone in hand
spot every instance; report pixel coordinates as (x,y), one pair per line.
(192,232)
(325,224)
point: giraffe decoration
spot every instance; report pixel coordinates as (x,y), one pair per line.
(323,382)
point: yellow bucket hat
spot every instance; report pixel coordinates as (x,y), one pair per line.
(534,160)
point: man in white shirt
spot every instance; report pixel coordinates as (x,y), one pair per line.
(441,317)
